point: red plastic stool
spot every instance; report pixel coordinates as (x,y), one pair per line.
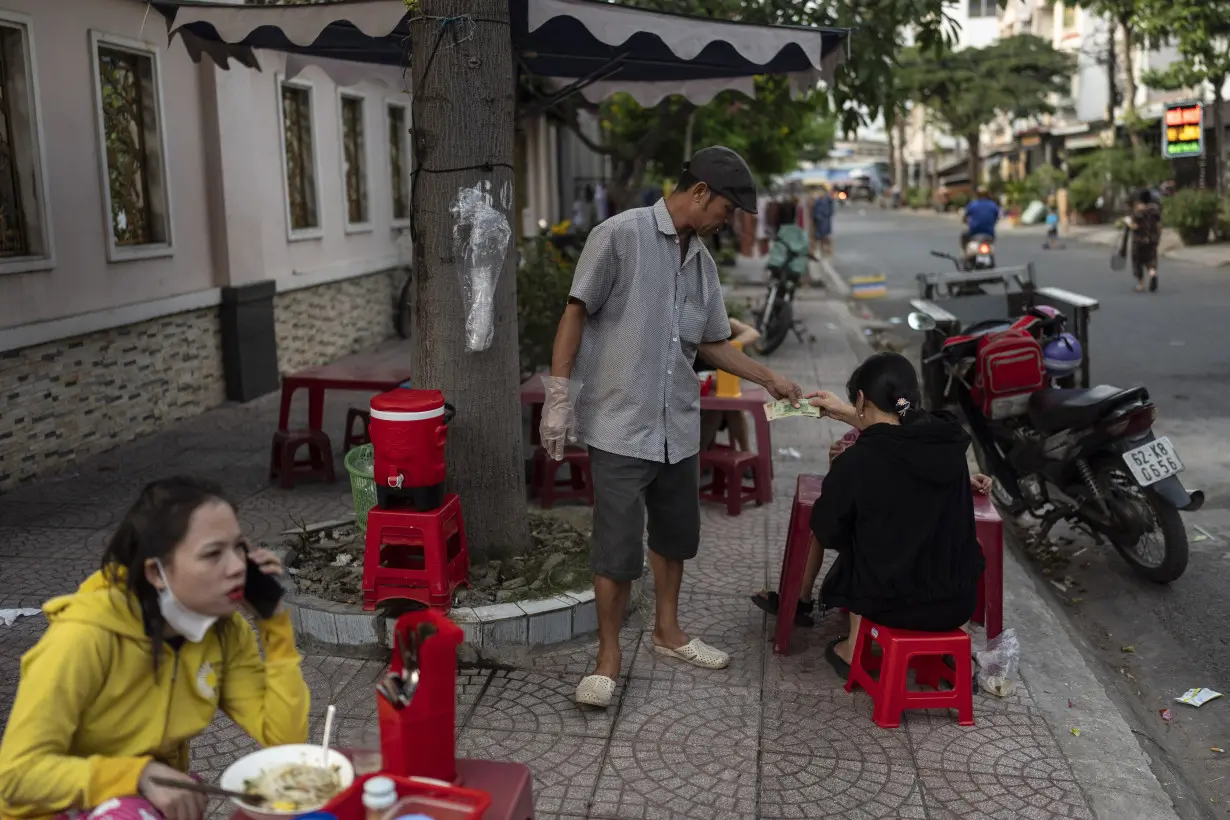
(284,465)
(990,528)
(421,556)
(790,584)
(356,416)
(924,651)
(727,485)
(549,489)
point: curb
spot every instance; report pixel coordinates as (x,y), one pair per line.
(349,630)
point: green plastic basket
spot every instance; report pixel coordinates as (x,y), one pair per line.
(360,464)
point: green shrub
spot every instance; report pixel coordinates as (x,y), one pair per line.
(1124,170)
(1221,230)
(918,197)
(544,279)
(736,310)
(1045,180)
(1083,195)
(958,200)
(1193,212)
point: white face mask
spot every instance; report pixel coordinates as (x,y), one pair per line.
(192,625)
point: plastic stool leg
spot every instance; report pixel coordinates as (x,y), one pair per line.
(794,563)
(965,689)
(734,495)
(890,694)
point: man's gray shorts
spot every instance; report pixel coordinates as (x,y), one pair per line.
(625,489)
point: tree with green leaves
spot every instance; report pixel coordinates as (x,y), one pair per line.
(636,137)
(968,89)
(1201,34)
(1132,18)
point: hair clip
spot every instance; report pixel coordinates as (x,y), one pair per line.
(903,406)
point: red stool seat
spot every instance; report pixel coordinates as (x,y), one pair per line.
(420,556)
(548,488)
(923,651)
(284,465)
(726,485)
(356,417)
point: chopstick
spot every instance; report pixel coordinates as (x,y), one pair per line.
(205,788)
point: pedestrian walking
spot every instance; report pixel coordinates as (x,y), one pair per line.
(1145,223)
(645,301)
(822,222)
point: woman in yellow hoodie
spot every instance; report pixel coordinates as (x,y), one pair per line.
(138,661)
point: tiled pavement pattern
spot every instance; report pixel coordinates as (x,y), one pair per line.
(769,737)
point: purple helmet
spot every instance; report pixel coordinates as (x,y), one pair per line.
(1062,356)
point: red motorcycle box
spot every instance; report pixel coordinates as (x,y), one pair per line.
(1009,369)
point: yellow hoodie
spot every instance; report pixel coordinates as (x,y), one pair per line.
(90,710)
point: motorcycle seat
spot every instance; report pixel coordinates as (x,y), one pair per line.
(1052,409)
(987,326)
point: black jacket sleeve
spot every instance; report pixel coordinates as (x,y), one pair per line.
(832,516)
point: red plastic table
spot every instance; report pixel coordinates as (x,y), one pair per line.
(533,394)
(509,784)
(356,375)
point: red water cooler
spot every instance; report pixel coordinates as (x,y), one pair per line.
(408,431)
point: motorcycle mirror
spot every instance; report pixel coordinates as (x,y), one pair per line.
(920,321)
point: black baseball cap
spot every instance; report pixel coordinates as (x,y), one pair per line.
(726,174)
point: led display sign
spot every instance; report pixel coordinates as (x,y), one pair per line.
(1183,130)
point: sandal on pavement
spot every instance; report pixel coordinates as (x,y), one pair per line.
(839,666)
(771,603)
(595,690)
(1153,283)
(697,653)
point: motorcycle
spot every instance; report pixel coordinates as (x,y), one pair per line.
(979,253)
(1087,456)
(788,258)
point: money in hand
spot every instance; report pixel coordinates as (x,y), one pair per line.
(782,408)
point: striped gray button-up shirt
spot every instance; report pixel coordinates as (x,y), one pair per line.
(647,315)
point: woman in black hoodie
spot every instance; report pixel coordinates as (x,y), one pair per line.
(897,508)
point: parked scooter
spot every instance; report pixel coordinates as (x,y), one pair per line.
(1087,456)
(787,265)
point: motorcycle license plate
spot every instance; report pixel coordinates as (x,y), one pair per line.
(983,259)
(1153,461)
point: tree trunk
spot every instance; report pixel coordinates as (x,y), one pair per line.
(463,81)
(899,160)
(687,135)
(1130,123)
(890,123)
(1219,134)
(975,159)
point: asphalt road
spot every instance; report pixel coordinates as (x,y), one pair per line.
(1176,342)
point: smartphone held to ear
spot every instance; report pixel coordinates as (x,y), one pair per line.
(262,592)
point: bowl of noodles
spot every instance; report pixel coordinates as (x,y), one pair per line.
(290,778)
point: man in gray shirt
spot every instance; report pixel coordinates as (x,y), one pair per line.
(645,301)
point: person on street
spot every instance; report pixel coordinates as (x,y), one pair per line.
(645,301)
(980,216)
(898,509)
(1145,224)
(139,661)
(822,222)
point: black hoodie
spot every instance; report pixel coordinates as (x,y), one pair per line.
(899,509)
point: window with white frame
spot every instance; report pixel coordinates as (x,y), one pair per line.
(399,162)
(133,146)
(25,240)
(299,150)
(354,160)
(983,8)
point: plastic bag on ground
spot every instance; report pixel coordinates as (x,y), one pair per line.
(998,664)
(558,428)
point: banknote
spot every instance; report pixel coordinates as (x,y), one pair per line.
(782,408)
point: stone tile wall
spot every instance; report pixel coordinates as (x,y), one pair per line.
(320,324)
(79,396)
(75,397)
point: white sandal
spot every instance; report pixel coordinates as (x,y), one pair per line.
(595,690)
(696,652)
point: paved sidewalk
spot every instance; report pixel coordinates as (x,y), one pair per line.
(770,737)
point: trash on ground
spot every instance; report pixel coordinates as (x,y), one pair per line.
(1079,551)
(1217,749)
(1070,703)
(1166,714)
(997,665)
(789,452)
(1075,731)
(1197,697)
(1128,649)
(7,616)
(1059,586)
